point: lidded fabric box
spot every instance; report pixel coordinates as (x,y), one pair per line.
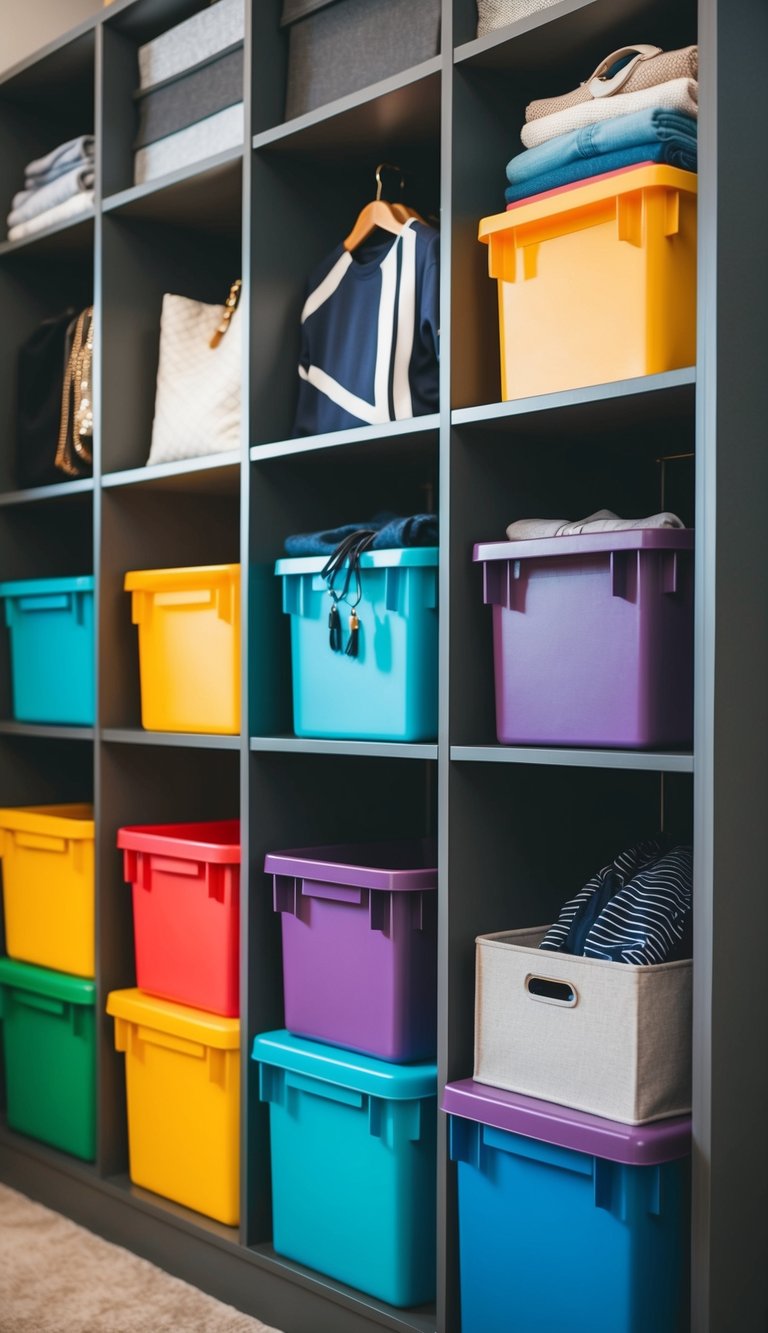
(215,134)
(190,96)
(353,1151)
(185,881)
(339,46)
(48,1029)
(611,1039)
(205,34)
(498,13)
(566,1220)
(359,927)
(205,90)
(593,638)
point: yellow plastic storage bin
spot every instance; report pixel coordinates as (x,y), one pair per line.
(189,647)
(182,1072)
(48,894)
(596,282)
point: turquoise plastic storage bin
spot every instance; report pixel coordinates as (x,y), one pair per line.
(52,649)
(48,1028)
(353,1165)
(568,1221)
(389,691)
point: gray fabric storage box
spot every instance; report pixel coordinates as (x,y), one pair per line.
(204,139)
(612,1039)
(493,14)
(203,35)
(211,86)
(339,46)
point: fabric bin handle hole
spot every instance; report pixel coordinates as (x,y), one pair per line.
(551,992)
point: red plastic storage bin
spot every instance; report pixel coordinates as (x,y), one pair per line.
(186,911)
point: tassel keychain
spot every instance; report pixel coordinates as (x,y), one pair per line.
(354,633)
(334,627)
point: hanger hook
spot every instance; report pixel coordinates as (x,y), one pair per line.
(388,166)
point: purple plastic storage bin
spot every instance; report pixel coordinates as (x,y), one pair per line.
(360,945)
(593,638)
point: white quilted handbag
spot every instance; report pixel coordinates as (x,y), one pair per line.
(197,400)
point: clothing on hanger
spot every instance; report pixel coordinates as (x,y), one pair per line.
(603,520)
(369,333)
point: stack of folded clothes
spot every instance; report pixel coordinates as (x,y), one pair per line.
(190,98)
(57,187)
(641,105)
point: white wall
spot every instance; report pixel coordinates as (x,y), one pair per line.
(26,25)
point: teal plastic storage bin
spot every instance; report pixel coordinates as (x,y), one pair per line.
(568,1221)
(353,1165)
(49,1044)
(52,649)
(389,691)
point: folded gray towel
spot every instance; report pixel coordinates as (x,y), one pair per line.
(74,153)
(604,520)
(29,204)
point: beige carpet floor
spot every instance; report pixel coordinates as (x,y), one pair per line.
(56,1277)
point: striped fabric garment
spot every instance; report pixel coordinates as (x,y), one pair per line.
(635,910)
(369,334)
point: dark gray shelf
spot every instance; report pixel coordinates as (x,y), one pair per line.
(387,438)
(421,1320)
(61,241)
(374,749)
(639,760)
(176,739)
(669,396)
(219,473)
(46,731)
(206,196)
(59,490)
(407,106)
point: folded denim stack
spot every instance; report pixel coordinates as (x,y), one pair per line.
(640,106)
(57,187)
(190,98)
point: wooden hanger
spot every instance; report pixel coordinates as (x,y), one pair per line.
(379,213)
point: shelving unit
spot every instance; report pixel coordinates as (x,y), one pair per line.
(517,828)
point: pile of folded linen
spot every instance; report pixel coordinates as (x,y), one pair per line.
(57,188)
(640,106)
(190,96)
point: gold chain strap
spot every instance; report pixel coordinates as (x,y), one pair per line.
(230,306)
(76,421)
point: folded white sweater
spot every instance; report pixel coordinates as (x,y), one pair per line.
(71,208)
(604,520)
(678,95)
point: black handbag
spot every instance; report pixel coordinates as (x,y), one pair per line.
(48,445)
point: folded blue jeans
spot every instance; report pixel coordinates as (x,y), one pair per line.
(595,166)
(656,126)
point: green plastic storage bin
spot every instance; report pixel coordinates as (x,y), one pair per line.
(49,1045)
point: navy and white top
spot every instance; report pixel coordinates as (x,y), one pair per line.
(369,334)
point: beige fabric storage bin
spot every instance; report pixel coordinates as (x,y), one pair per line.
(615,1042)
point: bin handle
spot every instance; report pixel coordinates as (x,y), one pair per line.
(44,1003)
(330,1092)
(41,842)
(46,602)
(182,1045)
(550,990)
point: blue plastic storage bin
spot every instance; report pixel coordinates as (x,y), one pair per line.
(566,1220)
(389,691)
(353,1165)
(52,649)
